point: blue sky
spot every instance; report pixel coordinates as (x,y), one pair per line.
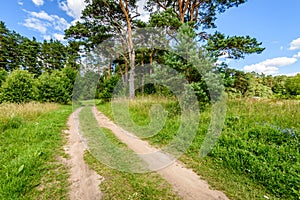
(274,23)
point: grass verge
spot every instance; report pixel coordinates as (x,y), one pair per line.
(29,147)
(257,155)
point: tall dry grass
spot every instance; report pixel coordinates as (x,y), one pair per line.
(27,112)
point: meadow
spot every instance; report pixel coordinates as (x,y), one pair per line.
(257,155)
(31,142)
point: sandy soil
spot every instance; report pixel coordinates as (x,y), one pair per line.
(84,181)
(185,182)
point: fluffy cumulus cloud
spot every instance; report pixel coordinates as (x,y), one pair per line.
(36,24)
(295,44)
(73,8)
(43,22)
(38,2)
(41,15)
(270,66)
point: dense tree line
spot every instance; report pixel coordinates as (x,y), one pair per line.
(49,66)
(240,84)
(31,70)
(102,19)
(19,52)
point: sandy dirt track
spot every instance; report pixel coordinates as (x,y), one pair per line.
(84,181)
(185,182)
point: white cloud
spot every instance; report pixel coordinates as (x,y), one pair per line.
(36,24)
(260,68)
(41,15)
(38,2)
(295,44)
(60,23)
(47,37)
(20,3)
(281,61)
(73,8)
(297,55)
(270,66)
(45,23)
(59,37)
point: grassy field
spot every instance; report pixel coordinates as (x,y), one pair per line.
(30,141)
(116,160)
(257,155)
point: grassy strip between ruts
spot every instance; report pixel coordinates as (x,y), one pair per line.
(257,156)
(30,140)
(119,184)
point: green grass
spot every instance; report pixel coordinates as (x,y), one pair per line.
(257,154)
(29,148)
(124,185)
(113,160)
(104,146)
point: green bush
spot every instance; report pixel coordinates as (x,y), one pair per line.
(18,87)
(293,85)
(106,88)
(54,87)
(71,74)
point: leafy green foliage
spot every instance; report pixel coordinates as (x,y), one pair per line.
(200,16)
(56,87)
(18,87)
(293,85)
(18,52)
(9,52)
(256,88)
(165,18)
(53,54)
(235,47)
(106,88)
(30,56)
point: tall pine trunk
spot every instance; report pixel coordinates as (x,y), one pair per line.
(125,10)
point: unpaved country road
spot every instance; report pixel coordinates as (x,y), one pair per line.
(184,181)
(84,181)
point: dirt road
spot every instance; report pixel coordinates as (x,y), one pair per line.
(185,182)
(84,181)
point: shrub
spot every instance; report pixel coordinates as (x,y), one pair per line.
(54,87)
(106,88)
(18,87)
(71,74)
